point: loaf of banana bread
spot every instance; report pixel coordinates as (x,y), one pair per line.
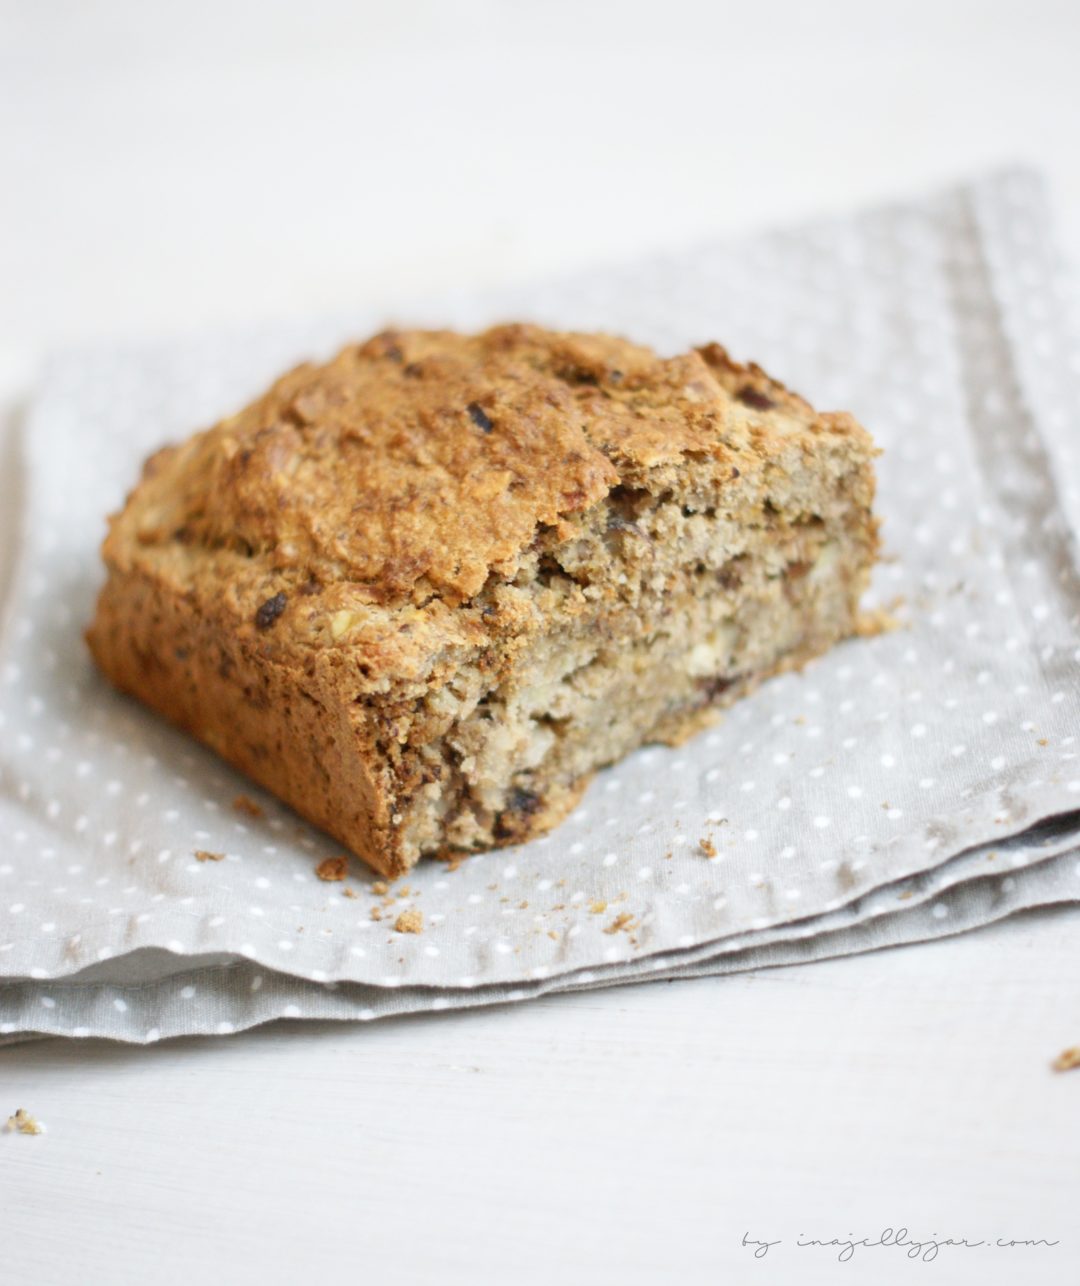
(423,591)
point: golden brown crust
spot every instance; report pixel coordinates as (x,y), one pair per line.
(385,487)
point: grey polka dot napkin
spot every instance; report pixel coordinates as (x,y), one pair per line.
(909,785)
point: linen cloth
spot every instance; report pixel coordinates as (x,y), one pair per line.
(921,782)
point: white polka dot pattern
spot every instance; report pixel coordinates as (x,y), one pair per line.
(897,789)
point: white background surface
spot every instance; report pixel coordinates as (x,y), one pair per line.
(169,167)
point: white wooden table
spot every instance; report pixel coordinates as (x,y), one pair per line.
(170,167)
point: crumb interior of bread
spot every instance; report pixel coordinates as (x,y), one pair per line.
(661,606)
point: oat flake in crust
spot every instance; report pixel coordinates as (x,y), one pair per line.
(423,591)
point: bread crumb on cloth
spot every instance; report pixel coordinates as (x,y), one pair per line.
(411,921)
(246,805)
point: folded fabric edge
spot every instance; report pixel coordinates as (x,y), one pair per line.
(278,995)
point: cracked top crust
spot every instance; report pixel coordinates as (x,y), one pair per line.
(398,477)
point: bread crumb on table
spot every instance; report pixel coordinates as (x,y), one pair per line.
(246,805)
(380,887)
(1067,1060)
(598,907)
(349,893)
(411,921)
(707,846)
(332,869)
(623,922)
(376,912)
(202,855)
(23,1123)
